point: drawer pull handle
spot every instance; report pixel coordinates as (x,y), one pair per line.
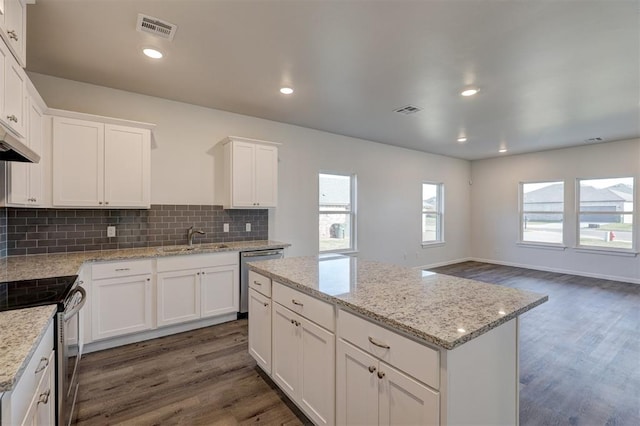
(380,374)
(379,343)
(257,283)
(44,362)
(295,302)
(44,397)
(372,369)
(122,269)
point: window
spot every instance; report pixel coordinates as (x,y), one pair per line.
(541,212)
(432,203)
(336,212)
(605,213)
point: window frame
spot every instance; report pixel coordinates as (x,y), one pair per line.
(352,212)
(439,215)
(522,212)
(634,217)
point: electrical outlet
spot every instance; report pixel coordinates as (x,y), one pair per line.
(111,231)
(247,227)
(225,227)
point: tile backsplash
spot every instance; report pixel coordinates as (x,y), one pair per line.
(37,231)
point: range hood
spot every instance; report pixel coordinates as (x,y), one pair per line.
(11,149)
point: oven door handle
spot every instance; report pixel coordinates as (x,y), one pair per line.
(76,308)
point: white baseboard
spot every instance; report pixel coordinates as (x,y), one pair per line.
(100,345)
(557,270)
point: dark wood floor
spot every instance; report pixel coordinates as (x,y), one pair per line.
(579,364)
(203,377)
(580,351)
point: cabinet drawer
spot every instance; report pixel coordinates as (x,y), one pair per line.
(260,283)
(121,269)
(28,383)
(413,358)
(309,307)
(197,261)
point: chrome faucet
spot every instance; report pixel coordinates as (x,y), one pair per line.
(190,233)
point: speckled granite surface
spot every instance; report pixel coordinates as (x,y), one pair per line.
(16,268)
(439,309)
(20,333)
(22,329)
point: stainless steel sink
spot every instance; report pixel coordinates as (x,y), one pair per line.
(195,248)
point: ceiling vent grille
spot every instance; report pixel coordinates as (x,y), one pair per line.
(593,140)
(155,26)
(408,109)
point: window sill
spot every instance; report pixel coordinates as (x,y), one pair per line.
(606,251)
(433,244)
(545,246)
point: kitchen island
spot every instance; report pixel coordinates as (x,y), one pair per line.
(356,341)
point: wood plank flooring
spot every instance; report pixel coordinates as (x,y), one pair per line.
(579,364)
(579,352)
(202,377)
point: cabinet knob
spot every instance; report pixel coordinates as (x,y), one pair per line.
(12,118)
(100,202)
(265,304)
(293,321)
(372,369)
(381,374)
(13,35)
(106,202)
(148,279)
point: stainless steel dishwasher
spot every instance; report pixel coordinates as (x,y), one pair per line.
(252,256)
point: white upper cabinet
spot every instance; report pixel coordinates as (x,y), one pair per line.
(13,93)
(100,165)
(246,173)
(13,23)
(25,179)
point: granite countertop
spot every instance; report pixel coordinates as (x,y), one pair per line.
(21,330)
(439,309)
(15,268)
(20,333)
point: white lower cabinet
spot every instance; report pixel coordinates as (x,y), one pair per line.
(219,290)
(371,392)
(178,297)
(42,410)
(121,305)
(303,363)
(260,329)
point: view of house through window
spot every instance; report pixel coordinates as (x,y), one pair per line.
(605,212)
(541,212)
(431,213)
(336,212)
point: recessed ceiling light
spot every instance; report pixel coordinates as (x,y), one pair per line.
(462,330)
(501,150)
(152,53)
(463,139)
(286,90)
(470,91)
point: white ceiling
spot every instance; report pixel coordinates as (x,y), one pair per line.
(551,73)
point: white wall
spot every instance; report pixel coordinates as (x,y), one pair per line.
(389,178)
(494,207)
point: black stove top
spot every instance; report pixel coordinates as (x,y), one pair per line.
(31,293)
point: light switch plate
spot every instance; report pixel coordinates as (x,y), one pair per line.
(225,227)
(111,231)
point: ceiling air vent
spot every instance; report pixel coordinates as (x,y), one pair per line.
(409,109)
(155,26)
(594,140)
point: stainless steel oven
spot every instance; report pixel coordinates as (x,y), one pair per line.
(69,354)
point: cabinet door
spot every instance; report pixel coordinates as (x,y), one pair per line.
(286,350)
(219,290)
(266,179)
(35,121)
(356,386)
(317,366)
(15,95)
(41,411)
(78,163)
(121,306)
(126,166)
(15,25)
(260,329)
(405,401)
(243,174)
(178,296)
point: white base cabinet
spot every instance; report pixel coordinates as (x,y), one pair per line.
(260,330)
(178,297)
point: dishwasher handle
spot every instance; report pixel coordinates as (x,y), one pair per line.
(262,253)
